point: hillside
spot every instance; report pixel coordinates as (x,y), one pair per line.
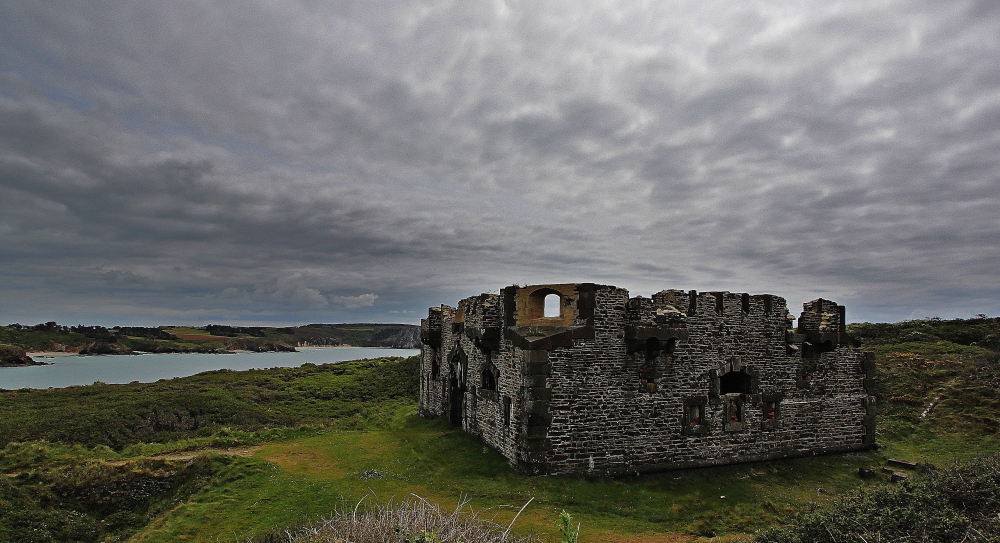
(286,447)
(937,383)
(211,338)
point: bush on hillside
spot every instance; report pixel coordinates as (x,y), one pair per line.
(981,331)
(202,405)
(961,503)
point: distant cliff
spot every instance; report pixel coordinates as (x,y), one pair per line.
(212,338)
(389,336)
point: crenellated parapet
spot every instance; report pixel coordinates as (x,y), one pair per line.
(581,378)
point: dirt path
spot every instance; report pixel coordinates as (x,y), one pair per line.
(187,455)
(179,456)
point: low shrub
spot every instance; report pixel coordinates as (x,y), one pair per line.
(961,503)
(415,521)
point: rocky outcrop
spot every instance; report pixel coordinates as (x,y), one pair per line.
(12,356)
(397,337)
(271,348)
(167,349)
(101,347)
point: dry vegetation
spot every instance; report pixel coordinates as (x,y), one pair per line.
(412,521)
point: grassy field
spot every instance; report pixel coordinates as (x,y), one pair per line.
(118,462)
(312,477)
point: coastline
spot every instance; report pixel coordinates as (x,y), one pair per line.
(61,354)
(48,354)
(336,347)
(58,371)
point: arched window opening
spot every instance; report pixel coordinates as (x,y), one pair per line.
(734,382)
(553,305)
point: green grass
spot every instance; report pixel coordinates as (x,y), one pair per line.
(221,403)
(960,382)
(333,435)
(315,476)
(959,503)
(435,461)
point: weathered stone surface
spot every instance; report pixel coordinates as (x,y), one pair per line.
(612,385)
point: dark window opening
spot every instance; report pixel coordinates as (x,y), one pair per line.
(770,410)
(692,302)
(734,382)
(720,303)
(745,301)
(695,419)
(652,349)
(768,303)
(435,364)
(813,350)
(648,371)
(647,384)
(695,414)
(507,409)
(459,365)
(488,380)
(734,413)
(647,378)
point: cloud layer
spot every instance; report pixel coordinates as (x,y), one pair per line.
(307,161)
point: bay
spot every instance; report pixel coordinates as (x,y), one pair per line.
(64,371)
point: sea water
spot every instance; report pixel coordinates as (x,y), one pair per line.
(64,371)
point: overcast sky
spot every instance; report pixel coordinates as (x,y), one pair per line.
(287,161)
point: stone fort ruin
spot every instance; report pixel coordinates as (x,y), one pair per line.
(581,379)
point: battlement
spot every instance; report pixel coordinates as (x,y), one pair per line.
(581,378)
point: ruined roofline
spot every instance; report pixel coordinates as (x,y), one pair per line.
(584,386)
(520,306)
(820,305)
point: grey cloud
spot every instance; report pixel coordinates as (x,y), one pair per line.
(271,162)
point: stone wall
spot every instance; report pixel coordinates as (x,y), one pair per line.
(612,385)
